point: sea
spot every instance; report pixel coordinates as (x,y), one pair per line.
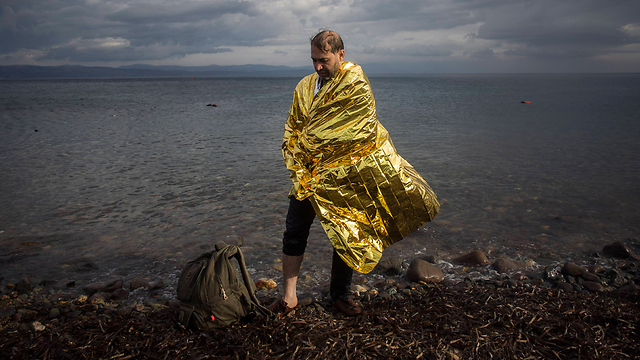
(105,178)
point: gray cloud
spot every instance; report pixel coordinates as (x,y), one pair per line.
(381,30)
(547,28)
(161,31)
(411,50)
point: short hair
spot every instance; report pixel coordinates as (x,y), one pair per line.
(327,37)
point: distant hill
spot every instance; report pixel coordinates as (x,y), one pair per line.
(142,70)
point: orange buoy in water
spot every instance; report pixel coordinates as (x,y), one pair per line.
(525,102)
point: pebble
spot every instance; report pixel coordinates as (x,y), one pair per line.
(101,286)
(37,326)
(566,287)
(508,265)
(511,283)
(629,288)
(551,273)
(473,258)
(54,313)
(97,299)
(119,294)
(23,286)
(421,271)
(138,283)
(359,288)
(6,311)
(591,277)
(572,269)
(390,266)
(619,250)
(155,306)
(593,286)
(266,284)
(306,301)
(157,285)
(596,269)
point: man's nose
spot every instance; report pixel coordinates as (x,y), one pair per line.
(318,66)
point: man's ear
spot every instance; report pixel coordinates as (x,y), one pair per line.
(341,54)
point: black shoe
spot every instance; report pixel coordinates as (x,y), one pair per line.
(347,307)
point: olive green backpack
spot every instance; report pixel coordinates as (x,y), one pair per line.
(211,294)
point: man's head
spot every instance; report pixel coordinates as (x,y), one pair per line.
(327,53)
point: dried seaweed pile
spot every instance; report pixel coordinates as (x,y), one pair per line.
(435,322)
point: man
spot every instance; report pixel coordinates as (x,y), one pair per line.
(346,171)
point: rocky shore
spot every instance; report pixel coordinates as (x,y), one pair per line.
(468,307)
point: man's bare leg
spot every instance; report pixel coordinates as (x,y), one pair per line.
(290,270)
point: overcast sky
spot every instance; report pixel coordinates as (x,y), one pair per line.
(393,35)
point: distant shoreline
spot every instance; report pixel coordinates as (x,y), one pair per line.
(34,72)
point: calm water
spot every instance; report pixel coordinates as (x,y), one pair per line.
(133,177)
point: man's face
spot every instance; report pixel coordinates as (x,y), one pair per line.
(326,63)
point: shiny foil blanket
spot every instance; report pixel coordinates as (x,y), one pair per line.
(366,196)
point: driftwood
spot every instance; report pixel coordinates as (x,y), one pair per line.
(431,322)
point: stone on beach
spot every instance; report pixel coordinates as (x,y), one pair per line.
(507,265)
(423,271)
(138,283)
(23,286)
(572,269)
(266,284)
(566,287)
(591,277)
(473,258)
(7,311)
(103,286)
(593,286)
(391,266)
(119,294)
(619,250)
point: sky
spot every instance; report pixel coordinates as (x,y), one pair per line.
(412,36)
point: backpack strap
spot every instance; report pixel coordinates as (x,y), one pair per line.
(251,286)
(221,245)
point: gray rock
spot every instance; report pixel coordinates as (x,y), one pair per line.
(97,299)
(573,269)
(139,283)
(306,301)
(616,277)
(565,286)
(119,294)
(507,265)
(593,286)
(7,311)
(511,283)
(629,288)
(591,277)
(54,313)
(619,250)
(537,282)
(423,271)
(37,326)
(596,269)
(23,286)
(473,258)
(391,266)
(551,273)
(110,286)
(431,258)
(157,285)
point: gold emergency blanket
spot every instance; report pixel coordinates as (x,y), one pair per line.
(366,196)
